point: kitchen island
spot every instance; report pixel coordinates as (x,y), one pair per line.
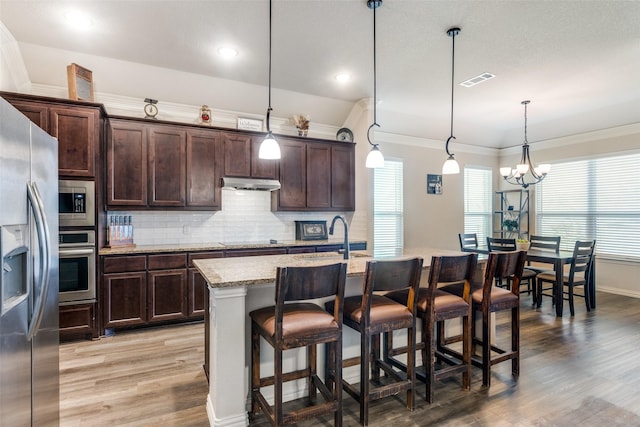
(238,286)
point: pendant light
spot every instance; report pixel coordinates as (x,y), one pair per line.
(269,149)
(375,159)
(451,166)
(524,169)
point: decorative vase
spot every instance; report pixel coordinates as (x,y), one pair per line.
(302,132)
(522,246)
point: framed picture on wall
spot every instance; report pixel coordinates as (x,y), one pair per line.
(80,81)
(434,184)
(311,230)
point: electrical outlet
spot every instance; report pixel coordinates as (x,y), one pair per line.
(186,229)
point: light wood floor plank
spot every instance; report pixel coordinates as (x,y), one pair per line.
(574,371)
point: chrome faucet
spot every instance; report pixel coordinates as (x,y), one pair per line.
(346,233)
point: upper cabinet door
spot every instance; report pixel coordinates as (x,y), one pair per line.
(293,175)
(203,169)
(167,166)
(343,189)
(78,133)
(318,173)
(237,154)
(37,113)
(126,164)
(261,168)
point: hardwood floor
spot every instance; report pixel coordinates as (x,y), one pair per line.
(583,371)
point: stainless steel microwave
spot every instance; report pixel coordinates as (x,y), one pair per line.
(76,203)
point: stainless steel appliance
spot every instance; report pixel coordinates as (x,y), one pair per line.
(76,203)
(77,267)
(29,385)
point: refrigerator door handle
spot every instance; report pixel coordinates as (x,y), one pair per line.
(42,230)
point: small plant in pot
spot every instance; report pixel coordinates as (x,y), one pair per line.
(510,224)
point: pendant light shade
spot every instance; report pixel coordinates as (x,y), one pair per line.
(525,174)
(269,148)
(375,159)
(451,166)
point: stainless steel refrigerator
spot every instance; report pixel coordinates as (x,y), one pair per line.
(29,384)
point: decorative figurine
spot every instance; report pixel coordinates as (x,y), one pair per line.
(205,115)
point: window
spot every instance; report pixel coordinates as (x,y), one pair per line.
(593,199)
(478,197)
(388,209)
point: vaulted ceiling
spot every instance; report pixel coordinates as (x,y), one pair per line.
(577,61)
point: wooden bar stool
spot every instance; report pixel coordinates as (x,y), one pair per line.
(300,324)
(490,299)
(434,306)
(373,314)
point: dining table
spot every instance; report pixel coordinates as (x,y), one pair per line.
(558,260)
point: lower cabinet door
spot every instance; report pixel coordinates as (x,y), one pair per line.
(124,299)
(167,295)
(197,294)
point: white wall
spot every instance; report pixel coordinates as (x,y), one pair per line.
(611,276)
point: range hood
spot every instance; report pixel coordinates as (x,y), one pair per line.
(234,183)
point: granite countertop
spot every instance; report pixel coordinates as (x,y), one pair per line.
(192,247)
(244,271)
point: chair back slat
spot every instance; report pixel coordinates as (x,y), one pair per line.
(503,265)
(500,244)
(582,258)
(303,283)
(468,241)
(392,275)
(452,269)
(545,243)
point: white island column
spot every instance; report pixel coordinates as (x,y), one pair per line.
(226,402)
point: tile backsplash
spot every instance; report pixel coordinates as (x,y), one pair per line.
(246,217)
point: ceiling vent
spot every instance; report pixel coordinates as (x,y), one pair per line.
(477,79)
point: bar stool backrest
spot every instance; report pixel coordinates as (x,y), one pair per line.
(468,241)
(500,244)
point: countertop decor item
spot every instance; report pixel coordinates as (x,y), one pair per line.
(518,176)
(375,159)
(311,230)
(269,148)
(80,81)
(451,166)
(344,135)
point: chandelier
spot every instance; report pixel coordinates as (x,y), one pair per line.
(525,174)
(375,159)
(451,165)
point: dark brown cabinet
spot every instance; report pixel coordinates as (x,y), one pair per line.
(167,295)
(78,320)
(162,166)
(167,166)
(124,291)
(127,164)
(76,126)
(241,157)
(316,176)
(203,169)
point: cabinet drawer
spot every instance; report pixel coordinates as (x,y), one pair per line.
(301,249)
(167,261)
(204,255)
(123,264)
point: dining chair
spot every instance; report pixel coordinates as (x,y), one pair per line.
(300,323)
(468,242)
(579,275)
(434,307)
(528,276)
(546,244)
(373,314)
(489,299)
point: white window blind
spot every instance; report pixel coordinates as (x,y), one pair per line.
(388,209)
(478,196)
(593,199)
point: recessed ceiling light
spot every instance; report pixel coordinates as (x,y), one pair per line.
(343,77)
(227,52)
(78,20)
(477,79)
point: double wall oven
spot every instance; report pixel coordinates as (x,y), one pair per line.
(77,242)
